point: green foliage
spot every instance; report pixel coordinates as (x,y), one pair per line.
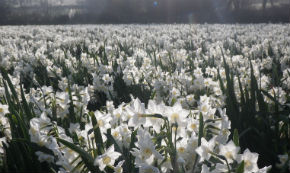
(19,152)
(241,167)
(86,158)
(236,137)
(255,119)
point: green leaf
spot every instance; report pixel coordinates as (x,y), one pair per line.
(152,116)
(173,101)
(78,166)
(212,127)
(112,140)
(236,137)
(240,168)
(12,89)
(26,108)
(271,97)
(200,133)
(97,132)
(133,138)
(253,88)
(71,105)
(88,159)
(16,111)
(221,82)
(241,91)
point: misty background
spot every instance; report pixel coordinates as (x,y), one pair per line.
(143,11)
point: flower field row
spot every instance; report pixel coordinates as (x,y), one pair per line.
(145,98)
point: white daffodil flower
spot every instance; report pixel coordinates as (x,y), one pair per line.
(107,159)
(205,149)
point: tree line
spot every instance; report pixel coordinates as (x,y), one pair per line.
(143,11)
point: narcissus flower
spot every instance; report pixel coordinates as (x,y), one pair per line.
(146,151)
(250,160)
(43,157)
(144,168)
(136,110)
(107,159)
(177,114)
(118,168)
(283,158)
(3,109)
(230,151)
(205,149)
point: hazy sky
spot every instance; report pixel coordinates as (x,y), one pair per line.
(51,2)
(73,2)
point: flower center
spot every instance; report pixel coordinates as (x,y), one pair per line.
(247,164)
(193,126)
(207,150)
(147,152)
(106,160)
(229,155)
(181,149)
(118,115)
(174,93)
(194,144)
(174,116)
(125,129)
(174,129)
(33,131)
(70,151)
(62,101)
(41,143)
(204,108)
(119,170)
(128,139)
(101,123)
(225,132)
(116,134)
(148,170)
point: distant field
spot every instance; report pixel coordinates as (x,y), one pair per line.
(145,98)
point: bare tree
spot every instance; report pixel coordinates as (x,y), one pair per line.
(4,10)
(265,3)
(245,3)
(235,4)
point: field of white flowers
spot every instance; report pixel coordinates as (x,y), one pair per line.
(145,98)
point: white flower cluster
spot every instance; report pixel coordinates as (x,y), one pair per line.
(63,68)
